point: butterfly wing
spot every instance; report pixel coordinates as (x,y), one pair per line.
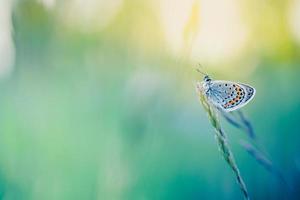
(230,96)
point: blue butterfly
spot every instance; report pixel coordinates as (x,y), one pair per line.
(226,95)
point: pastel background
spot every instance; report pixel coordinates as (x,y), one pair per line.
(98,101)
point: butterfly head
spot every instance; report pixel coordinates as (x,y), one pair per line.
(207,79)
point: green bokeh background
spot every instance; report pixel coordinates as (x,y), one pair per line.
(111,114)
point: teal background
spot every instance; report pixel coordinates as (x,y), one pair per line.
(111,113)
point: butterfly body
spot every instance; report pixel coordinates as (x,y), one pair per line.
(226,95)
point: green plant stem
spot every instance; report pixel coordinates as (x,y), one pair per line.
(222,141)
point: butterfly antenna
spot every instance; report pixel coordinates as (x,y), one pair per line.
(201,72)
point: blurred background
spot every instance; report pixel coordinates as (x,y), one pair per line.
(98,101)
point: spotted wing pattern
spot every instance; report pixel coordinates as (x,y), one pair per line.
(250,92)
(230,96)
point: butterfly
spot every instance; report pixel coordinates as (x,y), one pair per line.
(226,95)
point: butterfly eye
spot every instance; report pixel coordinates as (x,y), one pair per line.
(207,79)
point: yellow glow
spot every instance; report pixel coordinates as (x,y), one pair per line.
(174,15)
(48,3)
(89,15)
(294,19)
(221,36)
(7,50)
